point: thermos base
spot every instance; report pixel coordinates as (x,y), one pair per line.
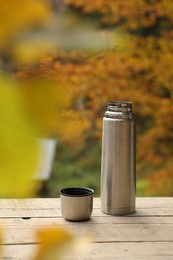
(118,211)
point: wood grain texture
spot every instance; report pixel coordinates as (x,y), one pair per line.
(146,234)
(51,207)
(100,233)
(122,250)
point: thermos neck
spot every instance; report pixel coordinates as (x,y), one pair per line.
(119,110)
(119,106)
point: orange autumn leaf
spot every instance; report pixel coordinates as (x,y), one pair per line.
(53,243)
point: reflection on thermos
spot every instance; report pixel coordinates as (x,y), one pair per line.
(118,166)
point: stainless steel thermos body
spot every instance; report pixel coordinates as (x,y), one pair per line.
(118,164)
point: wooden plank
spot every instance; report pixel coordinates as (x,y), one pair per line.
(126,250)
(35,203)
(99,233)
(105,251)
(27,213)
(148,207)
(141,212)
(19,252)
(148,202)
(51,208)
(32,203)
(56,213)
(126,232)
(32,222)
(29,208)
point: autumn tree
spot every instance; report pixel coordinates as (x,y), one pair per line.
(137,66)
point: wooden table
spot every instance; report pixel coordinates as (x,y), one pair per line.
(146,234)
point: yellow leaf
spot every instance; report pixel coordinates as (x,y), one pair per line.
(18,146)
(54,242)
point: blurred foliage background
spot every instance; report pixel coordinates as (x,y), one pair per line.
(135,66)
(68,59)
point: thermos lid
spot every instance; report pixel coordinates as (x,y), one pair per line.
(120,106)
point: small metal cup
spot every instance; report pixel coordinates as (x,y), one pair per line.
(76,203)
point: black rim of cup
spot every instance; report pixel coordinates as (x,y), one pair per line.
(76,192)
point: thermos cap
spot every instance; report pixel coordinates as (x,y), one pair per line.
(120,106)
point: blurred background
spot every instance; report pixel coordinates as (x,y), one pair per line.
(67,60)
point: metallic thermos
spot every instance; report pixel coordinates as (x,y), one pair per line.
(118,165)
